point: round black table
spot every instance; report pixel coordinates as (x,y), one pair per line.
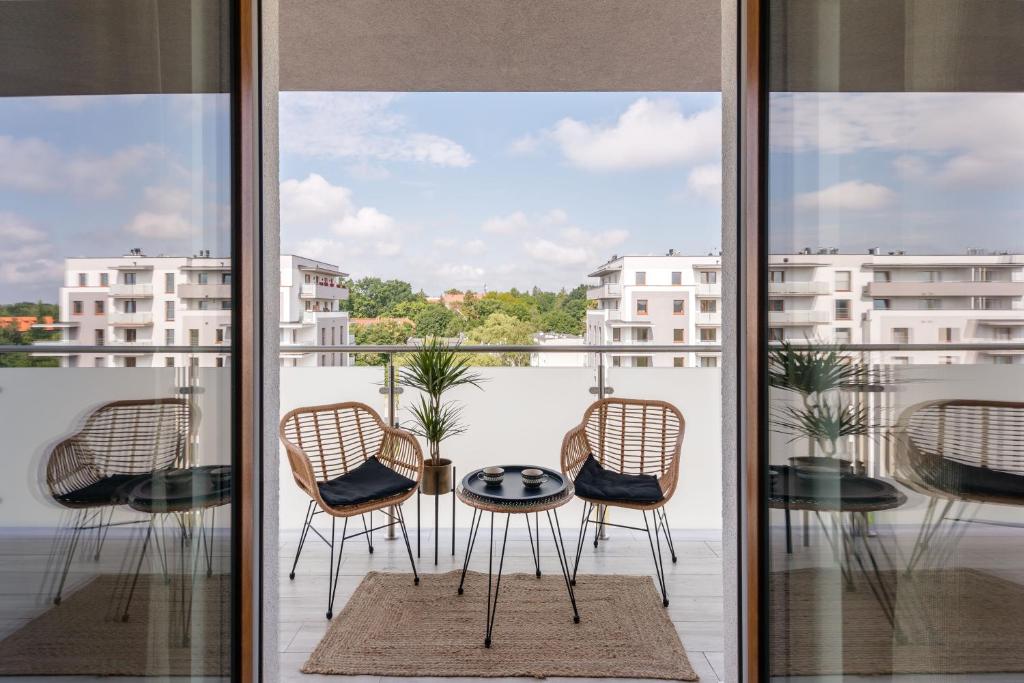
(187,494)
(513,498)
(841,494)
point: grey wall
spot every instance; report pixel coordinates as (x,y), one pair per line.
(498,45)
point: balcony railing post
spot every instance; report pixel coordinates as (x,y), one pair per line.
(393,422)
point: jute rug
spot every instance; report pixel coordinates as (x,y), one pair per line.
(391,628)
(950,622)
(85,634)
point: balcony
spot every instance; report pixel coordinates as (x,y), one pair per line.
(119,319)
(708,319)
(607,290)
(798,318)
(713,290)
(123,291)
(883,290)
(808,288)
(322,291)
(192,290)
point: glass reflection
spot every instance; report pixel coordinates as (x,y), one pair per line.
(896,336)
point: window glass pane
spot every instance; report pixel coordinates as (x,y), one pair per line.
(115,500)
(894,486)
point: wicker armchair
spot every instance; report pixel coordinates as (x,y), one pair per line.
(93,471)
(631,445)
(344,451)
(959,451)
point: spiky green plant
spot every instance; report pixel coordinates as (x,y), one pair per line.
(824,423)
(813,370)
(433,370)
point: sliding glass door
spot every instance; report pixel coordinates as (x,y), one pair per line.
(118,220)
(892,350)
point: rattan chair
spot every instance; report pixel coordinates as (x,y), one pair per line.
(334,450)
(93,471)
(959,451)
(634,442)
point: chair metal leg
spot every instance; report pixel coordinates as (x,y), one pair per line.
(138,568)
(367,531)
(659,567)
(101,532)
(668,533)
(76,533)
(599,523)
(408,546)
(335,568)
(302,537)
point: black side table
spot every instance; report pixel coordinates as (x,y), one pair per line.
(514,498)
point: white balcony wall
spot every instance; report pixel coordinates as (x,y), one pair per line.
(520,417)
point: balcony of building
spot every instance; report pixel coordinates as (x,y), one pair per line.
(706,319)
(964,288)
(798,318)
(709,289)
(323,290)
(605,290)
(123,291)
(806,288)
(137,319)
(194,290)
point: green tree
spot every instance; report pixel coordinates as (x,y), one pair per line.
(385,332)
(407,309)
(500,328)
(560,321)
(434,320)
(12,337)
(371,297)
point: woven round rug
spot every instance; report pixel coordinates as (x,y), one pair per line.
(392,628)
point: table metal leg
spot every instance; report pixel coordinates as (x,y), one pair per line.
(474,527)
(535,552)
(492,603)
(563,559)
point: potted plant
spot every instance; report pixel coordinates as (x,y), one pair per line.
(820,375)
(435,369)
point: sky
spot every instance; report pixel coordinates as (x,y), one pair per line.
(495,190)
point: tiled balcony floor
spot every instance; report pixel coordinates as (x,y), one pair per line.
(695,588)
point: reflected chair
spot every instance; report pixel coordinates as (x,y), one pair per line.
(959,451)
(120,444)
(625,453)
(350,464)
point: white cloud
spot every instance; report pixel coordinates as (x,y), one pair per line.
(360,126)
(706,182)
(527,144)
(852,195)
(314,204)
(166,198)
(445,242)
(650,133)
(460,274)
(14,228)
(34,165)
(388,248)
(161,226)
(558,254)
(474,248)
(952,137)
(27,256)
(506,225)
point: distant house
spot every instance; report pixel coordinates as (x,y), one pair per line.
(23,323)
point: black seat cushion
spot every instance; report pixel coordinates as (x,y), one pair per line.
(966,480)
(595,482)
(110,490)
(372,480)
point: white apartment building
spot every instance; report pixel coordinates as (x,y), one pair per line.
(822,295)
(898,298)
(657,300)
(139,300)
(311,296)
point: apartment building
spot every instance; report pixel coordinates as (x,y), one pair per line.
(139,300)
(657,300)
(872,298)
(311,296)
(899,298)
